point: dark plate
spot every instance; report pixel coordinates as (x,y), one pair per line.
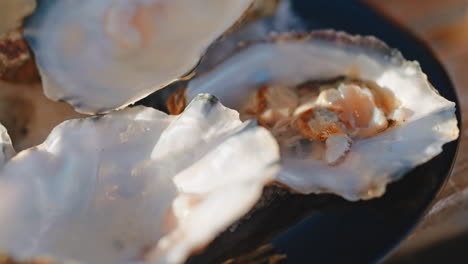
(325,228)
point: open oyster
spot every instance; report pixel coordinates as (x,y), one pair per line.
(134,186)
(349,113)
(103,55)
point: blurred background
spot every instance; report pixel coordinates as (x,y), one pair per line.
(442,237)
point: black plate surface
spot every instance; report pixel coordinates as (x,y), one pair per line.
(365,232)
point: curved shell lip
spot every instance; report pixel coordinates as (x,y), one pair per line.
(340,39)
(83,109)
(56,92)
(80,107)
(377,51)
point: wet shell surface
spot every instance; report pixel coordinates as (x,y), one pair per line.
(134,186)
(104,55)
(350,114)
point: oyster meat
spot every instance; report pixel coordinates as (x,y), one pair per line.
(350,113)
(134,186)
(104,55)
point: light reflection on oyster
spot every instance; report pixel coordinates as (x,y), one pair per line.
(104,55)
(350,137)
(28,115)
(134,186)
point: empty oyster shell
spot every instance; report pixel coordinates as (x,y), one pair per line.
(134,186)
(104,55)
(375,118)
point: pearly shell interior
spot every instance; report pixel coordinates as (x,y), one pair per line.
(104,55)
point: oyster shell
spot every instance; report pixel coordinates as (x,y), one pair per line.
(338,152)
(104,55)
(134,186)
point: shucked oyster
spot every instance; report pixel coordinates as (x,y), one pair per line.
(103,55)
(135,186)
(349,113)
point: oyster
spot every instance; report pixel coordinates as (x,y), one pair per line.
(104,55)
(134,186)
(350,113)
